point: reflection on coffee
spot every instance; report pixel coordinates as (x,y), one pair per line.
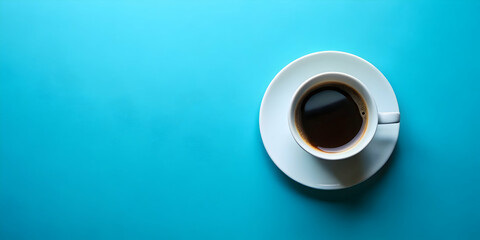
(331,117)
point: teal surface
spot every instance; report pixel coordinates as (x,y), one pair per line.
(139,119)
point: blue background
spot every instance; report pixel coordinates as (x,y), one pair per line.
(139,119)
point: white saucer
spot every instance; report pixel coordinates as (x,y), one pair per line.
(291,158)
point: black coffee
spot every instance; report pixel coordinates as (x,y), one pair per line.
(331,117)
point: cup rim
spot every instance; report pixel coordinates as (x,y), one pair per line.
(370,127)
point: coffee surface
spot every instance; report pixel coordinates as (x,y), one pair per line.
(329,118)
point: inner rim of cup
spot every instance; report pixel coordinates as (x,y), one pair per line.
(356,97)
(371,111)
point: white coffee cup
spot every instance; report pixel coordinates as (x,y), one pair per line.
(373,116)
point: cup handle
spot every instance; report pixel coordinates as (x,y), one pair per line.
(388,117)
